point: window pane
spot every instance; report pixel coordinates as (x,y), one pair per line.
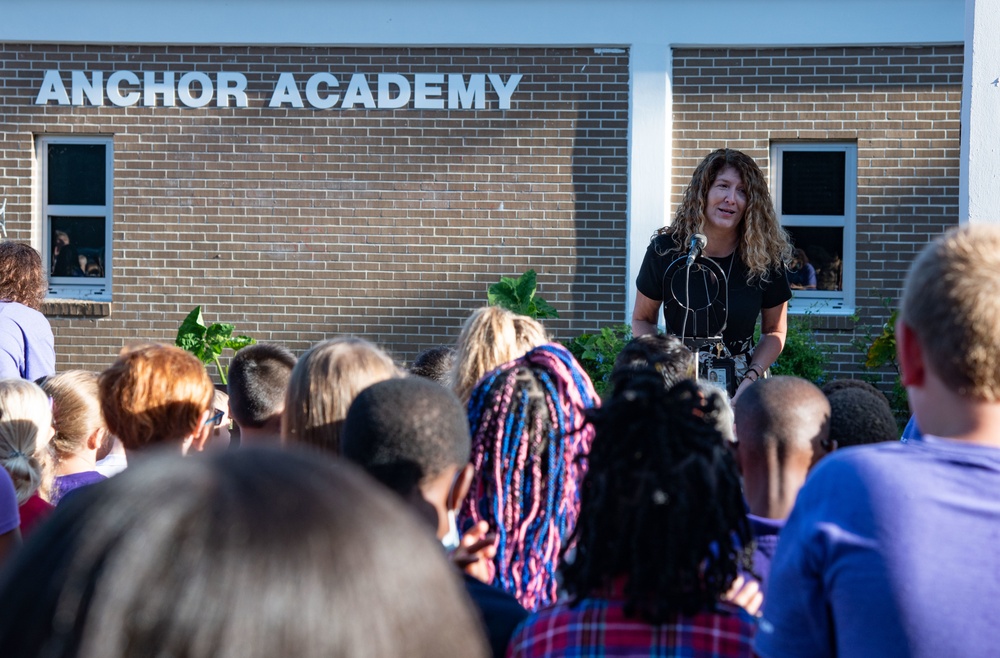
(77,174)
(78,246)
(823,248)
(812,183)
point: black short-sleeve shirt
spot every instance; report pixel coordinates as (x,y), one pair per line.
(744,304)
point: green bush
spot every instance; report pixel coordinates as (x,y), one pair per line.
(880,351)
(207,343)
(803,356)
(597,352)
(518,295)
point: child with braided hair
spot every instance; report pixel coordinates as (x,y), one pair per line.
(661,536)
(529,437)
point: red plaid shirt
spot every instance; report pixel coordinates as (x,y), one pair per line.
(598,627)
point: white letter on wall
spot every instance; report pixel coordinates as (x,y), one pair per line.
(52,89)
(94,88)
(385,100)
(115,94)
(231,85)
(184,89)
(150,89)
(285,91)
(460,96)
(358,91)
(427,90)
(312,91)
(504,92)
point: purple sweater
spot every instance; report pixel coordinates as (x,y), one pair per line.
(26,346)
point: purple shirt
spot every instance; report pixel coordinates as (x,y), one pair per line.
(26,346)
(890,551)
(63,484)
(10,515)
(765,534)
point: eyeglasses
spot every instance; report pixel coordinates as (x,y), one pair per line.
(216,419)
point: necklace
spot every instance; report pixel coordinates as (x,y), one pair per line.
(732,259)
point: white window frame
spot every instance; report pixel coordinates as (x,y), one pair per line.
(87,288)
(826,302)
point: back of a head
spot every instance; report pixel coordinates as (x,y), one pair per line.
(491,337)
(76,407)
(323,384)
(403,431)
(22,278)
(950,302)
(256,552)
(435,364)
(784,417)
(154,395)
(258,382)
(665,353)
(529,432)
(25,433)
(860,415)
(661,503)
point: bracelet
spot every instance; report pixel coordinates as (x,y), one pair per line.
(746,375)
(757,369)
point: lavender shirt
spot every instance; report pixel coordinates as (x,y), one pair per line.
(26,345)
(63,484)
(890,551)
(10,515)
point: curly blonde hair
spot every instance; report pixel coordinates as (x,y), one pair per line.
(763,245)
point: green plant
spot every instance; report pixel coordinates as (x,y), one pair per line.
(207,343)
(518,295)
(597,352)
(880,351)
(803,356)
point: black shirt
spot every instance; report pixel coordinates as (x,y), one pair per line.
(738,306)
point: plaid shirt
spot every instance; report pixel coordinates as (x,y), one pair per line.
(598,627)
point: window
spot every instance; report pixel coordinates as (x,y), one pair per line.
(815,189)
(76,194)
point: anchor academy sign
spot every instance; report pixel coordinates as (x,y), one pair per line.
(427,91)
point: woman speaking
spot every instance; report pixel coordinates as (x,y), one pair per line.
(739,275)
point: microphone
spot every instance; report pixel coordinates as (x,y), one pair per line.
(698,244)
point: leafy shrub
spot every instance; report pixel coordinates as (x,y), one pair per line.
(518,295)
(803,356)
(207,343)
(597,352)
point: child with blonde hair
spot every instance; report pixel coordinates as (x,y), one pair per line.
(81,437)
(25,434)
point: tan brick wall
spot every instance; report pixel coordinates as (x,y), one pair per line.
(900,105)
(300,224)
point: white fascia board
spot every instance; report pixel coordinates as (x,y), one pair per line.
(485,22)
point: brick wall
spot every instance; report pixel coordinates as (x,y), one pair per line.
(300,224)
(900,105)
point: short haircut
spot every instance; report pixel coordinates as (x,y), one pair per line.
(22,278)
(435,364)
(950,302)
(255,552)
(258,380)
(665,353)
(155,395)
(789,415)
(76,407)
(25,425)
(859,415)
(403,431)
(323,384)
(491,337)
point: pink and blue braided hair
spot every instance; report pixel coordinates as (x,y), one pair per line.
(529,440)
